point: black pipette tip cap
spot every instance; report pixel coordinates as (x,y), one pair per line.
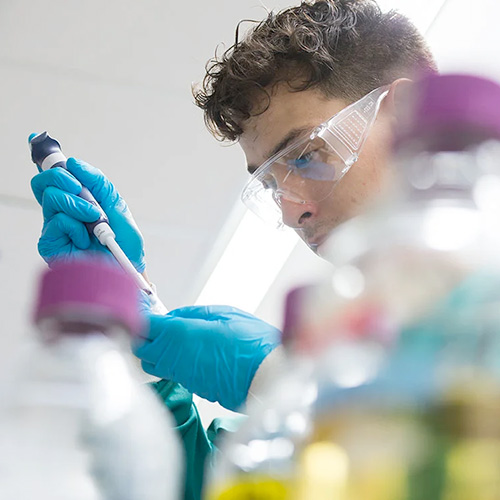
(36,137)
(42,145)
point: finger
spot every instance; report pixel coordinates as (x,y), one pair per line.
(163,332)
(137,343)
(60,231)
(56,201)
(154,327)
(57,177)
(142,350)
(95,181)
(206,313)
(149,368)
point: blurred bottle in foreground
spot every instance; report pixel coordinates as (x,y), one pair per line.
(75,422)
(401,400)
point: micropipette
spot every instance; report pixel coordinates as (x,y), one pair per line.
(46,154)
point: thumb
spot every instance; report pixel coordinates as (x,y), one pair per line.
(95,181)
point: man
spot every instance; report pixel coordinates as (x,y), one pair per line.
(295,70)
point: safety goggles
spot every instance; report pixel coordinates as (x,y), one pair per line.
(307,170)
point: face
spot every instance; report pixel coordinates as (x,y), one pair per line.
(287,116)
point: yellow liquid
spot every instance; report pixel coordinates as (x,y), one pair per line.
(447,452)
(250,487)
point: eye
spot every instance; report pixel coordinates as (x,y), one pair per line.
(304,160)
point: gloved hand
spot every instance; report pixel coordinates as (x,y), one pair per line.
(213,351)
(64,234)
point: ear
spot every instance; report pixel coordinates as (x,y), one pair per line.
(397,97)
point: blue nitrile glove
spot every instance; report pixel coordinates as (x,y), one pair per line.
(213,351)
(64,235)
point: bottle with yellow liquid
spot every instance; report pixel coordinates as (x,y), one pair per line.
(427,425)
(392,390)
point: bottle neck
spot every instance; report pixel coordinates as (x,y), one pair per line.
(76,323)
(318,320)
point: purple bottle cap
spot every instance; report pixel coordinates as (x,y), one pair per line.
(298,333)
(293,308)
(91,290)
(451,112)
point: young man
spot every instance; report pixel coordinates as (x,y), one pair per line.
(296,70)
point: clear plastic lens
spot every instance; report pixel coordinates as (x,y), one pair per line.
(308,170)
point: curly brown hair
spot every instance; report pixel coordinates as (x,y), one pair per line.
(344,48)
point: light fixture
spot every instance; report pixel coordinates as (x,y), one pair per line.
(249,264)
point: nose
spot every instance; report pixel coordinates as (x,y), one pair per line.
(297,214)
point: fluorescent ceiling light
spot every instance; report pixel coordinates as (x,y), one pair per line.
(466,39)
(249,265)
(256,253)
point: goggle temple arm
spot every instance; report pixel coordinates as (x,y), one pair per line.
(347,132)
(338,145)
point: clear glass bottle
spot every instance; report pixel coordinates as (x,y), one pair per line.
(75,421)
(404,336)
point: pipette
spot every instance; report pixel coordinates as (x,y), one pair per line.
(46,154)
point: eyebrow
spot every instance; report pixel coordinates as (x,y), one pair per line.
(292,135)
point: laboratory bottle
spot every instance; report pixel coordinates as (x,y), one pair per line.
(402,398)
(75,420)
(260,460)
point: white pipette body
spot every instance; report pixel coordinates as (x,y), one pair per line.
(157,306)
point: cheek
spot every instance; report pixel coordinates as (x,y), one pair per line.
(356,188)
(368,175)
(375,156)
(340,205)
(364,181)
